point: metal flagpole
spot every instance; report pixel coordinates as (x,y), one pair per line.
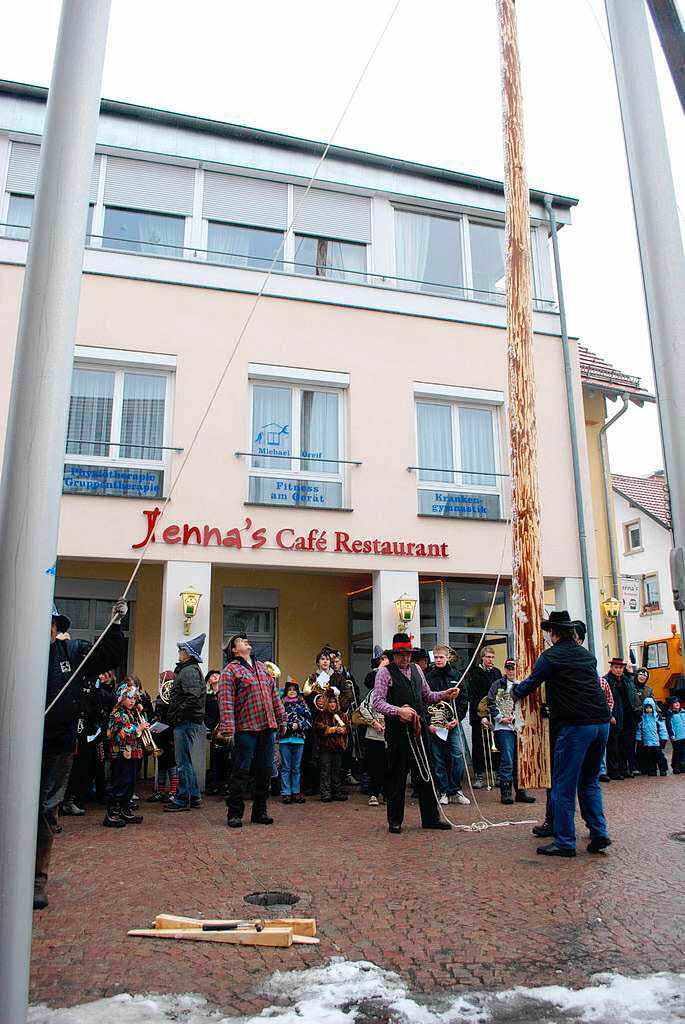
(33,464)
(659,239)
(527,583)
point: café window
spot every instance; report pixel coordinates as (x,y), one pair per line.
(458,466)
(296,445)
(116,432)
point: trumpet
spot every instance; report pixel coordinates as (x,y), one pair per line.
(147,738)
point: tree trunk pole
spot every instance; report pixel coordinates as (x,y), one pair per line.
(527,583)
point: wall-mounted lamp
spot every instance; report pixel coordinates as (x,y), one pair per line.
(405,606)
(190,600)
(611,608)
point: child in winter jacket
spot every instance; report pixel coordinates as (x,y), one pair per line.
(298,724)
(125,748)
(676,729)
(651,731)
(332,730)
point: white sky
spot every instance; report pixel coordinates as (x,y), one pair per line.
(431,95)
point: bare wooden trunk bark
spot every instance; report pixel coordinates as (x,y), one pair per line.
(527,583)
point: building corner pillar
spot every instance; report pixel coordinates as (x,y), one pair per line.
(388,585)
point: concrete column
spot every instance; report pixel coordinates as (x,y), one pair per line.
(179,576)
(388,585)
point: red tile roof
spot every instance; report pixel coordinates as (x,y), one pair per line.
(598,375)
(648,493)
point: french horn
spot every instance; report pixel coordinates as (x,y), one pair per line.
(165,690)
(273,670)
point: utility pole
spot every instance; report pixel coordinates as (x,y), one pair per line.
(527,583)
(33,464)
(659,240)
(669,27)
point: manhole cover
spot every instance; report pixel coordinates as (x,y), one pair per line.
(273,900)
(678,836)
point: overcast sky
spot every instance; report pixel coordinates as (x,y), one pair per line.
(432,94)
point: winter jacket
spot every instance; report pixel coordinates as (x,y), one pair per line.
(574,695)
(622,690)
(479,682)
(296,712)
(641,692)
(122,734)
(188,694)
(59,733)
(211,711)
(366,710)
(330,741)
(442,679)
(500,685)
(651,729)
(676,725)
(349,693)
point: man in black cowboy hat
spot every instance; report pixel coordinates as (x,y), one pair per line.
(400,693)
(579,710)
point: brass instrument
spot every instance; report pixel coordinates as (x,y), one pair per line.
(484,712)
(147,738)
(506,705)
(273,670)
(165,690)
(441,714)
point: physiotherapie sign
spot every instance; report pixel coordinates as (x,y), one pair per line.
(249,536)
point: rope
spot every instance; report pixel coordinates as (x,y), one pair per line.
(241,335)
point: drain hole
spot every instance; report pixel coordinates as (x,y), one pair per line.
(273,900)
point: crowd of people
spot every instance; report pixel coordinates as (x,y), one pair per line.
(270,737)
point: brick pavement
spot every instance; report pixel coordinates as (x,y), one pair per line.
(448,911)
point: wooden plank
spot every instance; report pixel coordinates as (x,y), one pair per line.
(299,925)
(527,582)
(239,936)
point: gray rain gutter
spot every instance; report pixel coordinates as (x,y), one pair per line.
(611,524)
(571,407)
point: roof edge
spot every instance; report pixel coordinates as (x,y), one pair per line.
(119,108)
(636,504)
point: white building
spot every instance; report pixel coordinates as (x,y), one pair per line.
(643,530)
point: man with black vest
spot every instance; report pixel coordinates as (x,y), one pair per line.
(579,711)
(400,693)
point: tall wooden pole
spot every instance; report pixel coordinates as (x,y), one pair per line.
(527,584)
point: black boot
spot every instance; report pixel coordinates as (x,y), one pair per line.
(114,818)
(524,798)
(543,831)
(129,816)
(505,793)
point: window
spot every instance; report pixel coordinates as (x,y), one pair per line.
(89,616)
(240,246)
(456,612)
(457,449)
(487,261)
(633,537)
(429,254)
(19,216)
(324,257)
(160,234)
(650,593)
(296,440)
(116,430)
(657,655)
(260,626)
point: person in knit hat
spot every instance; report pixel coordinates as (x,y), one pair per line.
(186,715)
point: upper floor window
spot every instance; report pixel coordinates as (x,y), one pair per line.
(160,234)
(240,246)
(633,537)
(116,433)
(457,449)
(651,594)
(296,441)
(487,260)
(326,257)
(19,217)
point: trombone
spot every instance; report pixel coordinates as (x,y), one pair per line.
(489,745)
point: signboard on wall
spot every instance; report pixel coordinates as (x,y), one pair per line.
(630,591)
(112,482)
(459,505)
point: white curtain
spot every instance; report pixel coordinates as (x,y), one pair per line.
(435,442)
(319,431)
(488,261)
(412,239)
(271,427)
(477,447)
(19,215)
(138,231)
(229,243)
(90,413)
(142,416)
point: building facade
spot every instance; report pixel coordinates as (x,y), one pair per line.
(356,450)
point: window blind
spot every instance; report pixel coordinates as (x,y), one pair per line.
(23,170)
(146,185)
(240,200)
(332,214)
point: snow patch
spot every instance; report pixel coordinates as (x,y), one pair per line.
(345,992)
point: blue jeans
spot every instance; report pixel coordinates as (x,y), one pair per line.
(448,762)
(249,747)
(506,744)
(186,736)
(577,757)
(291,761)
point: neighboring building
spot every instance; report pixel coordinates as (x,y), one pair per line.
(358,446)
(601,382)
(643,528)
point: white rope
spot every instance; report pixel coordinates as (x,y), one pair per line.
(241,335)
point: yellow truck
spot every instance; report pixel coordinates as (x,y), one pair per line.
(664,659)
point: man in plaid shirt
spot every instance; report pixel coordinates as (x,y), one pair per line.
(250,712)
